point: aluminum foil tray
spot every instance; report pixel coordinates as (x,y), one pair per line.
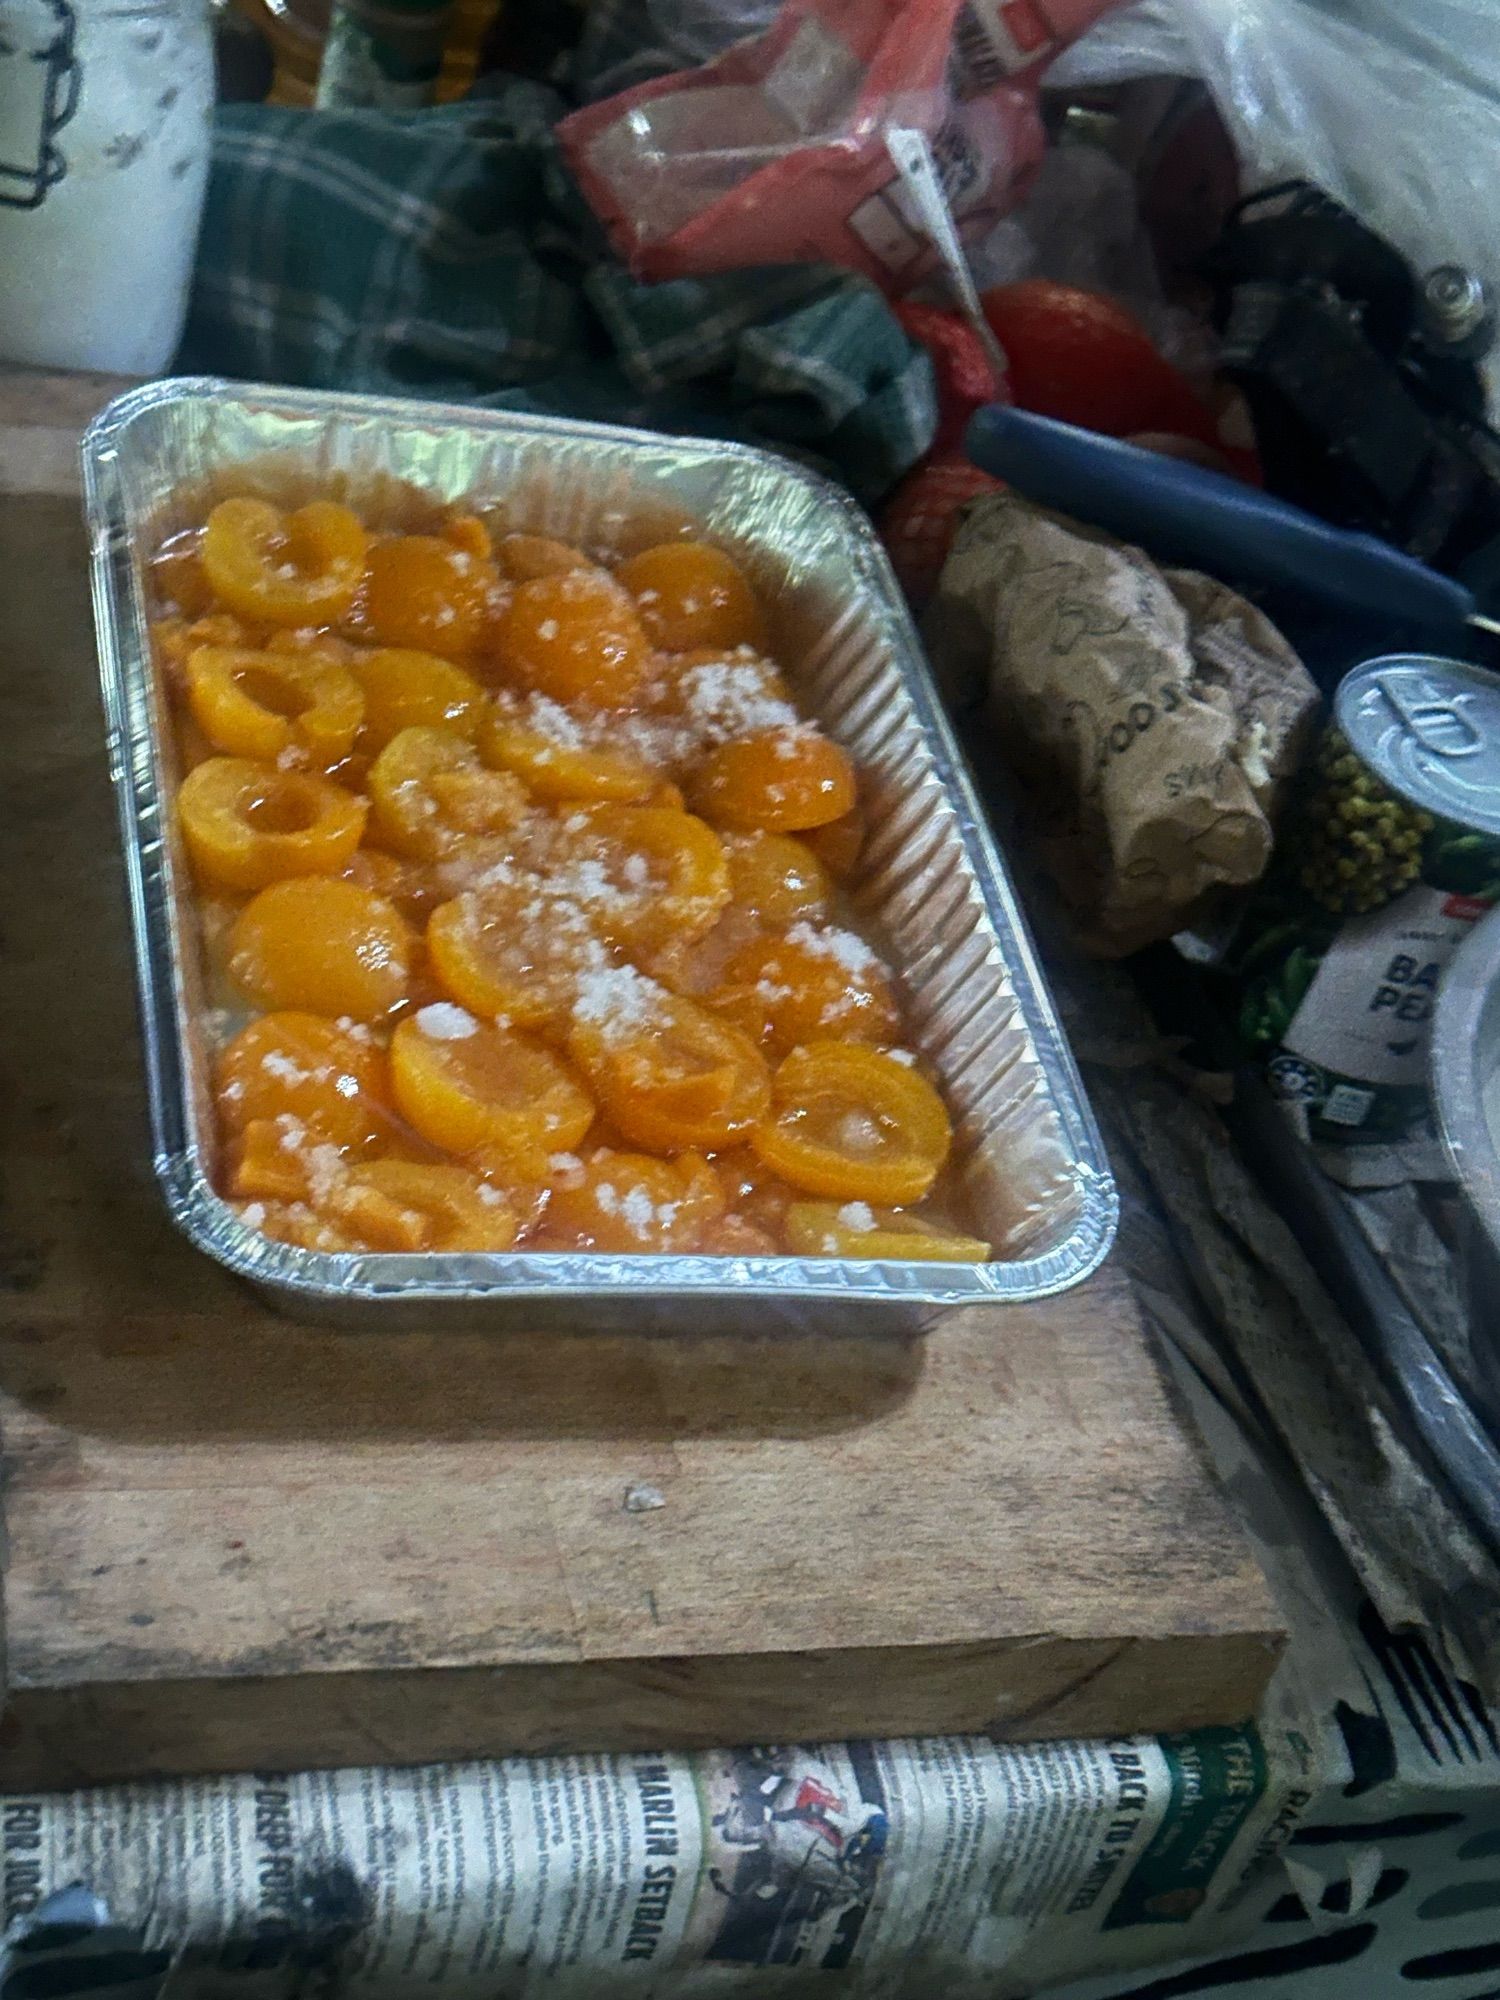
(933,886)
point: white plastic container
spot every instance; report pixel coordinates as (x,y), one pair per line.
(104,129)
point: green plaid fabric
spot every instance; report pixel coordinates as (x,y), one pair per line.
(447,253)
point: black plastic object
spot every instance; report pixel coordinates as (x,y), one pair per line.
(1365,410)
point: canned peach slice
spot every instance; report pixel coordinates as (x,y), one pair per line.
(854,1124)
(785,781)
(668,1074)
(246,823)
(816,982)
(656,874)
(408,690)
(575,637)
(839,844)
(635,1202)
(469,533)
(408,1205)
(329,1076)
(691,594)
(430,791)
(468,1087)
(550,749)
(274,704)
(509,951)
(854,1229)
(525,557)
(302,568)
(263,1166)
(325,945)
(426,595)
(777,878)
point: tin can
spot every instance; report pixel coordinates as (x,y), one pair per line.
(1390,857)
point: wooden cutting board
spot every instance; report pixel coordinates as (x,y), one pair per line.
(236,1542)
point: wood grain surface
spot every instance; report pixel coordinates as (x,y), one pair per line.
(237,1542)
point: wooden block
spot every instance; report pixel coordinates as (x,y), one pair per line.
(237,1542)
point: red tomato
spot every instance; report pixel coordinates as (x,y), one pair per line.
(1086,360)
(1077,357)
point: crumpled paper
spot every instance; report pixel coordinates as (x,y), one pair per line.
(1149,719)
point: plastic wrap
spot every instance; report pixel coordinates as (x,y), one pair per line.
(698,30)
(1392,108)
(776,152)
(932,882)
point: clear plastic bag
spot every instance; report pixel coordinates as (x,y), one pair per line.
(698,30)
(1390,106)
(776,153)
(1080,224)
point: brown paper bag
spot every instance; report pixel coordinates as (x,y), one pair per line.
(1149,718)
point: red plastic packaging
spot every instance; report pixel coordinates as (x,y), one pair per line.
(962,371)
(776,153)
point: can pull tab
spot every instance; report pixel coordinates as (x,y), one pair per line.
(1437,726)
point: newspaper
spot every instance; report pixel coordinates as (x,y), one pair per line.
(949,1865)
